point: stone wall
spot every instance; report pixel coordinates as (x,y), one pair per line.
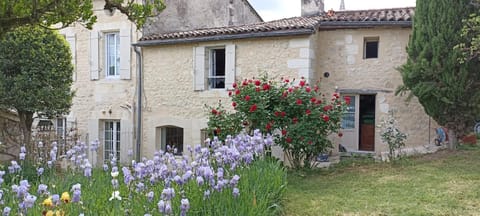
(341,54)
(181,15)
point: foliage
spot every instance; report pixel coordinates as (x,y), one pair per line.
(299,116)
(393,137)
(446,88)
(50,12)
(231,179)
(442,183)
(35,74)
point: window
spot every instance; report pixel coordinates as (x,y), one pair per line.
(203,137)
(370,49)
(112,140)
(348,119)
(60,127)
(216,78)
(214,67)
(112,51)
(173,138)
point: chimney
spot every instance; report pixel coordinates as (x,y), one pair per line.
(312,7)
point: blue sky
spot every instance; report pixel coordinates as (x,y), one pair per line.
(277,9)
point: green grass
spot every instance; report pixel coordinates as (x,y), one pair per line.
(444,183)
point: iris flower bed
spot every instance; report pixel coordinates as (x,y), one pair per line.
(225,178)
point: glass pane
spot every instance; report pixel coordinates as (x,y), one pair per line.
(112,63)
(348,120)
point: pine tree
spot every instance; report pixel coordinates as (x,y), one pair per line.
(446,87)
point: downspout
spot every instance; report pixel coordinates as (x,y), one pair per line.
(138,51)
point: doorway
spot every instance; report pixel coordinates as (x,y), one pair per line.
(367,123)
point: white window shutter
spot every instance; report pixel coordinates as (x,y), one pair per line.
(125,53)
(93,134)
(199,68)
(94,67)
(71,39)
(229,66)
(126,139)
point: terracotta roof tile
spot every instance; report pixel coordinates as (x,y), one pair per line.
(338,18)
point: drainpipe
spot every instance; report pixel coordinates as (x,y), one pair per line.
(138,51)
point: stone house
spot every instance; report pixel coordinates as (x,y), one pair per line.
(354,53)
(105,77)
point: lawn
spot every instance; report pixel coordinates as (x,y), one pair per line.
(444,183)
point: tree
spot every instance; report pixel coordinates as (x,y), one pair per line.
(447,89)
(35,74)
(49,12)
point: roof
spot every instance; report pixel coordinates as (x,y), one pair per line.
(290,26)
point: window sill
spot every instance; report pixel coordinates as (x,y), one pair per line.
(213,93)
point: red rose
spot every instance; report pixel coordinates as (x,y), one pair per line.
(237,91)
(302,83)
(214,111)
(234,85)
(257,82)
(313,100)
(327,108)
(234,104)
(336,95)
(315,88)
(266,87)
(347,99)
(286,80)
(277,113)
(284,132)
(295,120)
(299,101)
(268,126)
(257,89)
(244,83)
(250,81)
(229,93)
(253,108)
(284,94)
(308,112)
(325,118)
(340,134)
(283,114)
(308,89)
(290,89)
(288,139)
(310,142)
(247,98)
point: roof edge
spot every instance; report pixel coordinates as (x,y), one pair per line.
(363,24)
(253,10)
(225,37)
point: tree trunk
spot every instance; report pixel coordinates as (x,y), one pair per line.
(26,121)
(452,139)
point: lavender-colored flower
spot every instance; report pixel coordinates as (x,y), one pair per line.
(200,180)
(150,196)
(178,180)
(234,180)
(29,201)
(56,199)
(42,189)
(168,193)
(11,169)
(87,171)
(53,154)
(23,149)
(22,156)
(40,144)
(184,206)
(161,206)
(206,194)
(49,164)
(236,192)
(168,208)
(105,167)
(140,187)
(147,215)
(76,196)
(76,187)
(115,184)
(40,171)
(6,211)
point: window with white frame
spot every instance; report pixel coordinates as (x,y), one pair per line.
(60,124)
(216,78)
(348,119)
(214,67)
(111,139)
(112,54)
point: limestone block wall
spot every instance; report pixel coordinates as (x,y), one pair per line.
(103,98)
(341,54)
(181,15)
(170,98)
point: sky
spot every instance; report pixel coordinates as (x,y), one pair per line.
(277,9)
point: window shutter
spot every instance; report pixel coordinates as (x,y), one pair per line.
(125,53)
(199,68)
(126,140)
(94,67)
(229,66)
(93,129)
(71,39)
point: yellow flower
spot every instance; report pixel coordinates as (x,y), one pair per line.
(49,213)
(48,202)
(59,213)
(65,197)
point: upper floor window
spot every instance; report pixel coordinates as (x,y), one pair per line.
(214,67)
(216,80)
(370,47)
(112,51)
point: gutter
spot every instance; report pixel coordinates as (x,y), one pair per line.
(293,32)
(364,24)
(138,51)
